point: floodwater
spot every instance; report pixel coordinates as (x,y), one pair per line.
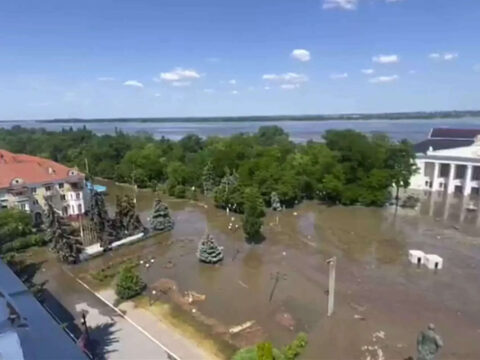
(300,131)
(376,288)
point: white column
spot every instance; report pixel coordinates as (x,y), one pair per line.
(436,169)
(467,188)
(451,176)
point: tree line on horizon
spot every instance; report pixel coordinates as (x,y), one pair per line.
(348,168)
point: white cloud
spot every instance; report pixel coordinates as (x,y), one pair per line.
(208,91)
(289,86)
(267,88)
(448,56)
(340,4)
(287,78)
(368,71)
(105,78)
(177,74)
(251,88)
(157,94)
(411,72)
(133,83)
(338,76)
(301,55)
(392,1)
(476,67)
(383,79)
(386,59)
(181,83)
(232,82)
(234,92)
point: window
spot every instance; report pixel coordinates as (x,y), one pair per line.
(65,211)
(60,185)
(73,209)
(23,206)
(48,188)
(78,196)
(35,202)
(63,197)
(33,190)
(79,207)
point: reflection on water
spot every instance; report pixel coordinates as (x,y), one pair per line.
(373,274)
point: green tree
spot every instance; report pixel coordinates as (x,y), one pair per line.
(254,211)
(208,179)
(401,162)
(14,223)
(63,238)
(129,283)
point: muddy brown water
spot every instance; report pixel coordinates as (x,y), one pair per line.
(374,279)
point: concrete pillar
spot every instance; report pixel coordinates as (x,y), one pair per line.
(451,176)
(467,188)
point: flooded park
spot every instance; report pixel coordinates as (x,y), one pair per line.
(281,284)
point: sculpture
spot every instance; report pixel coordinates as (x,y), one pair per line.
(208,250)
(161,220)
(428,343)
(275,201)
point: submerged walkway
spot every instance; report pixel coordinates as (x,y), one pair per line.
(119,333)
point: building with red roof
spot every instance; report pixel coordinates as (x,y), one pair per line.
(26,182)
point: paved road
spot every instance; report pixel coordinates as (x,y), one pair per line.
(113,336)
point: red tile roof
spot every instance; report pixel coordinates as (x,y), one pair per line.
(31,169)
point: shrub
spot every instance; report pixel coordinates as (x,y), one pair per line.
(179,192)
(129,284)
(23,243)
(261,351)
(294,349)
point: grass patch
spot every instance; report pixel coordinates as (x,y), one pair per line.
(106,274)
(188,326)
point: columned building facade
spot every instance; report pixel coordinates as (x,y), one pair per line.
(449,161)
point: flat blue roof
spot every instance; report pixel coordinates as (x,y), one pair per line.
(40,336)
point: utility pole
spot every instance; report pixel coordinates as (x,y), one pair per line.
(275,283)
(331,284)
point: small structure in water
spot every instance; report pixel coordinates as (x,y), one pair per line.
(416,256)
(208,250)
(433,261)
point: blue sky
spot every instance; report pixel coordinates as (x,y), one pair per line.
(119,58)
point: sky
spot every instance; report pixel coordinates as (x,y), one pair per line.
(164,58)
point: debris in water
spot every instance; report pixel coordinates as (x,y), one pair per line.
(241,327)
(295,213)
(358,307)
(243,284)
(359,317)
(286,320)
(191,296)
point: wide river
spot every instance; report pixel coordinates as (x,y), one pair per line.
(300,131)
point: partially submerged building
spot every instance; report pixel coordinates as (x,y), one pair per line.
(449,161)
(27,181)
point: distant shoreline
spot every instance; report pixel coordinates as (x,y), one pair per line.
(350,117)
